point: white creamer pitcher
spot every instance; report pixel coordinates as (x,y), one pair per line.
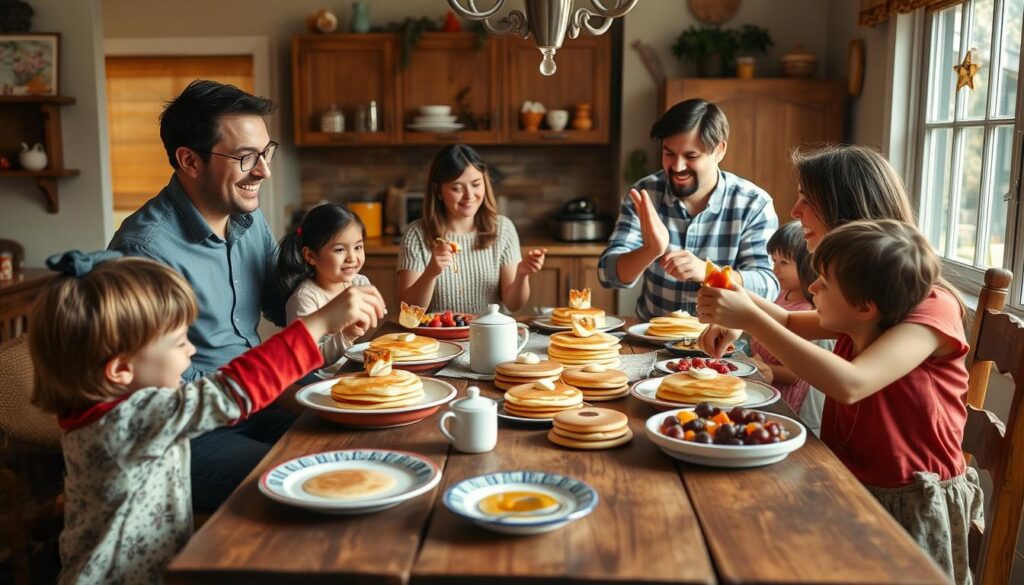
(474,422)
(493,339)
(32,159)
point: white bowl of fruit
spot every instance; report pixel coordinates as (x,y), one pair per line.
(740,437)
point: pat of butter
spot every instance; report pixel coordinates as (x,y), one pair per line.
(702,373)
(379,368)
(406,337)
(527,358)
(544,384)
(680,314)
(594,368)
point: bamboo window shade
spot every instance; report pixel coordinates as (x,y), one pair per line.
(873,12)
(137,89)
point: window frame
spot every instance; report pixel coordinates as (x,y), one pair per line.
(968,278)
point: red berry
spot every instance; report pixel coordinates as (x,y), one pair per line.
(435,322)
(697,362)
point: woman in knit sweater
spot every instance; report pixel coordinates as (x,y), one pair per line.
(462,255)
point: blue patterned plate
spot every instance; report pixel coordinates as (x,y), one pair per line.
(400,476)
(574,498)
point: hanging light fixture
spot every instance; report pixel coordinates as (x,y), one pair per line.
(548,20)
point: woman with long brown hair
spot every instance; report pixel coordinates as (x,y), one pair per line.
(462,255)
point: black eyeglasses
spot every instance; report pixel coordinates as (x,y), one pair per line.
(249,160)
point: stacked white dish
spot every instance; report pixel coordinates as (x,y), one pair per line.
(435,119)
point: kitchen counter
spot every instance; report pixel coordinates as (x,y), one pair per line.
(389,246)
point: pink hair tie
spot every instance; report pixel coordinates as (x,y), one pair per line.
(298,230)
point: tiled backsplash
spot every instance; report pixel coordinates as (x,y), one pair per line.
(531,182)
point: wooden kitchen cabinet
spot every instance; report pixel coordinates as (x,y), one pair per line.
(583,77)
(347,71)
(350,70)
(443,66)
(768,119)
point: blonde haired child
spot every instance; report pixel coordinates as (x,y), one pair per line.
(108,339)
(895,408)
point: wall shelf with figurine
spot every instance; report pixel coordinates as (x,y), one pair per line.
(34,119)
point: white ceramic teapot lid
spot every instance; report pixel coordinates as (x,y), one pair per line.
(473,402)
(492,317)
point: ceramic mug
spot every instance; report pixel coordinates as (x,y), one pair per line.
(557,119)
(474,427)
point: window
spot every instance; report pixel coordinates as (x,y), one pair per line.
(966,186)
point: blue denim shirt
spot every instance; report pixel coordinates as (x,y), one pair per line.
(232,279)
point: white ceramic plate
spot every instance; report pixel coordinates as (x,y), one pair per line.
(575,500)
(414,475)
(610,324)
(434,120)
(435,127)
(727,455)
(639,331)
(446,352)
(743,369)
(317,397)
(758,394)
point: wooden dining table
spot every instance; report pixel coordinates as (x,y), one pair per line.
(805,519)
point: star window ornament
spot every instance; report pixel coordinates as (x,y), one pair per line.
(966,71)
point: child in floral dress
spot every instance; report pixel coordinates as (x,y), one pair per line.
(109,343)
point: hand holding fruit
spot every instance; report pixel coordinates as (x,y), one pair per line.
(715,340)
(725,307)
(533,262)
(359,306)
(441,258)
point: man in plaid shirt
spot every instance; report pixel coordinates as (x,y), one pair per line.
(690,211)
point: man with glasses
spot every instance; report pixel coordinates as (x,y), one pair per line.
(206,224)
(689,212)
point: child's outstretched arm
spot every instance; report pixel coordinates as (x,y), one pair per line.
(890,357)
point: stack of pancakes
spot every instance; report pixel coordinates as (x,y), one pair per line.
(590,428)
(562,316)
(719,389)
(522,371)
(676,325)
(541,399)
(406,347)
(573,351)
(364,392)
(597,382)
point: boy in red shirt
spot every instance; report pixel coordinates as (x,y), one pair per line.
(895,408)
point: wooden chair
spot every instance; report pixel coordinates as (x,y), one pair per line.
(30,461)
(996,338)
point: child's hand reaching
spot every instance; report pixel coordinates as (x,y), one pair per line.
(359,307)
(533,262)
(715,340)
(726,307)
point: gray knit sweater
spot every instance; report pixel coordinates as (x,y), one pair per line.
(477,283)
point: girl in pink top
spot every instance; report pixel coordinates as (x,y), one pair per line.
(896,384)
(791,263)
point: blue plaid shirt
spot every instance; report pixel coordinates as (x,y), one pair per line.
(733,230)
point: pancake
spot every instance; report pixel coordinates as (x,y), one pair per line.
(363,392)
(586,379)
(590,428)
(677,324)
(505,384)
(562,316)
(536,413)
(345,484)
(599,340)
(541,369)
(720,389)
(406,346)
(527,395)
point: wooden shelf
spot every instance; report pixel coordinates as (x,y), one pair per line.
(62,100)
(30,119)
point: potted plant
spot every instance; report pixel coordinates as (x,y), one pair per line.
(750,39)
(712,49)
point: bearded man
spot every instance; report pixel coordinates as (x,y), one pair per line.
(690,211)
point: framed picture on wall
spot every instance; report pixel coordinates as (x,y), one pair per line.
(28,63)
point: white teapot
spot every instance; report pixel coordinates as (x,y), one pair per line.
(474,425)
(493,339)
(32,159)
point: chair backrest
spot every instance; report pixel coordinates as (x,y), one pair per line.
(19,419)
(996,339)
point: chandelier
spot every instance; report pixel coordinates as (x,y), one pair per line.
(548,20)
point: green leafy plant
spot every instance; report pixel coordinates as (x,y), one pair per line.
(714,50)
